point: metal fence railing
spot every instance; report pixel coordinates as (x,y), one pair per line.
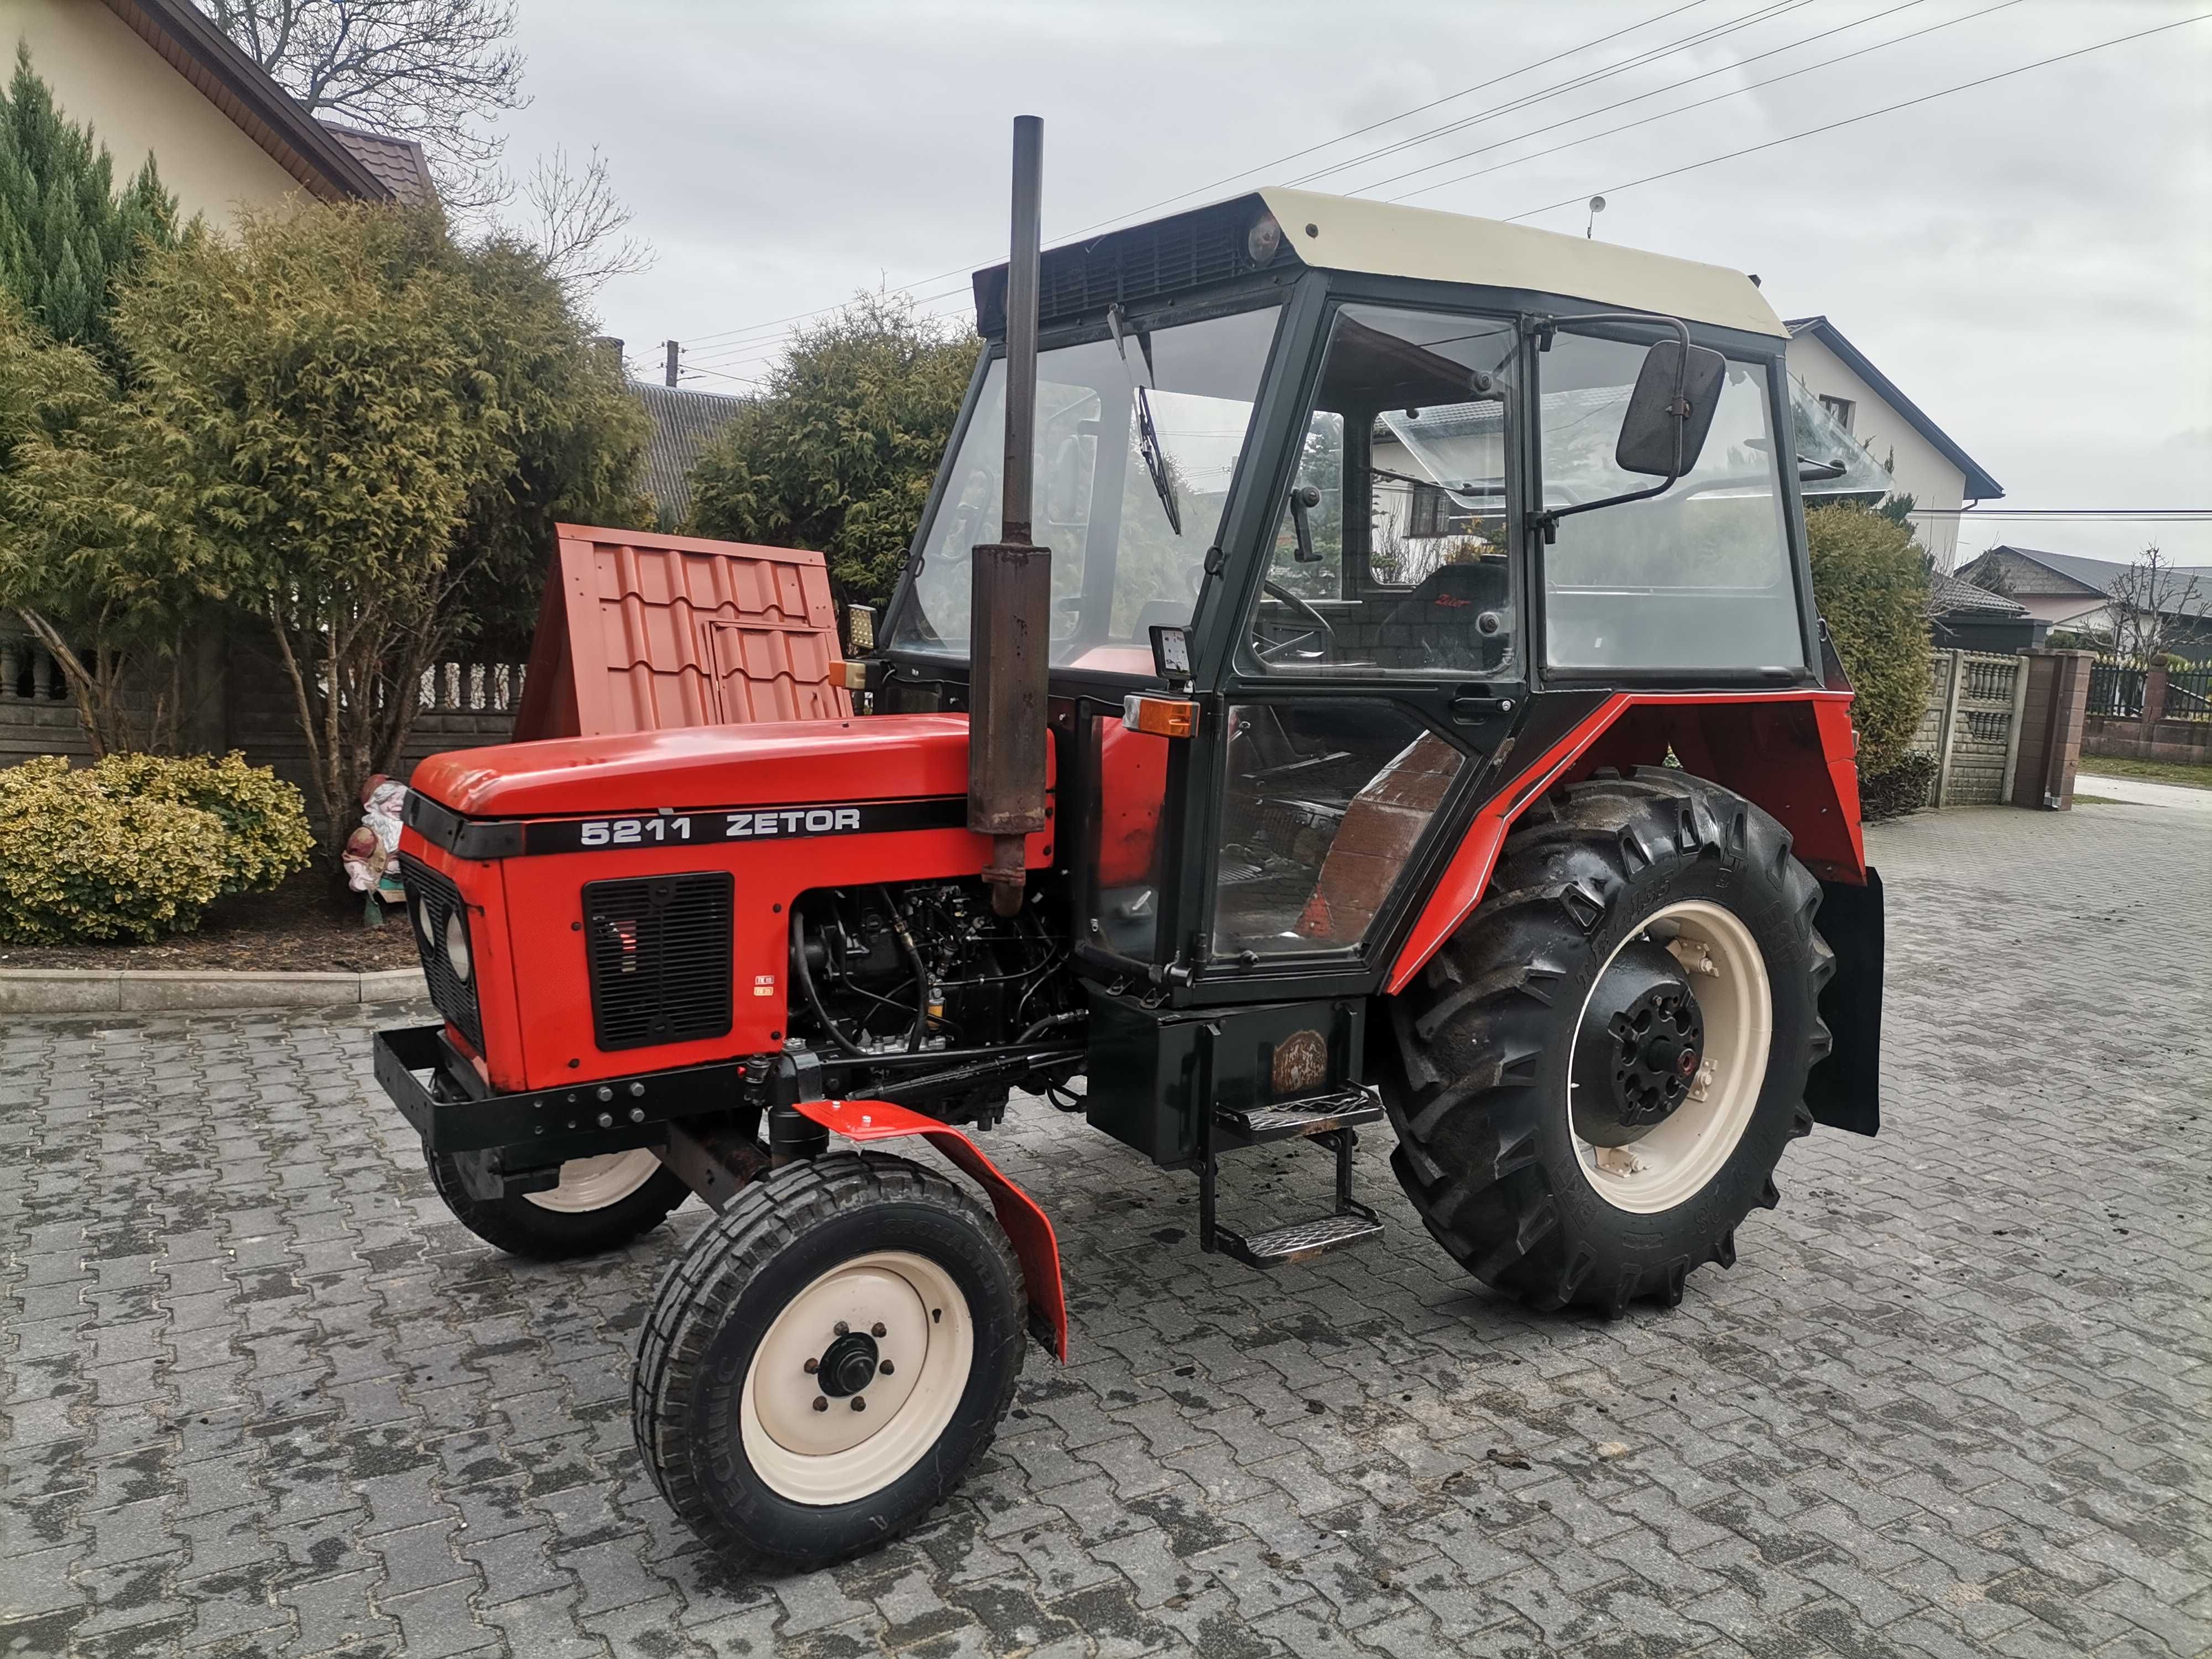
(2189,694)
(2115,690)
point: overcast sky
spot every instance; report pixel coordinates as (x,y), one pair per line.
(2030,260)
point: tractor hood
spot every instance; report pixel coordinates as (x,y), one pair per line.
(787,763)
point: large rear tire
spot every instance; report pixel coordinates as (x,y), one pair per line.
(1594,1079)
(600,1204)
(828,1359)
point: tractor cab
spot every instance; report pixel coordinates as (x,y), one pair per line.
(1344,505)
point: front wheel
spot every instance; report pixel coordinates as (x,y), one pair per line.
(600,1204)
(1593,1081)
(828,1359)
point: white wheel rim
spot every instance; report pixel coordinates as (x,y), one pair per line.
(1673,1163)
(836,1455)
(592,1183)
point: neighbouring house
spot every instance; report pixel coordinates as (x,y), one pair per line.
(2065,590)
(682,421)
(1929,466)
(1964,617)
(156,75)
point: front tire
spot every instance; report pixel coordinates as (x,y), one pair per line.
(1546,1134)
(828,1359)
(600,1204)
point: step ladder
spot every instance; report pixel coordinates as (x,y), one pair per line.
(1330,1120)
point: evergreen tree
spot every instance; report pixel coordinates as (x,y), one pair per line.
(67,237)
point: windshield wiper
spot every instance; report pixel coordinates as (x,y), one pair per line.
(1148,437)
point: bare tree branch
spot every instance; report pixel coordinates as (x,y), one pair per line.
(578,223)
(438,72)
(2155,608)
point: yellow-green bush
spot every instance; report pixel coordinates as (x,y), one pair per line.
(79,861)
(264,820)
(1870,581)
(138,845)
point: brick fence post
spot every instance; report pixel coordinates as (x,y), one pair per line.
(2053,720)
(2154,708)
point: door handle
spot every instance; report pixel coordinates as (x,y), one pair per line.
(1476,708)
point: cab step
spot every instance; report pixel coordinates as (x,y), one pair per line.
(1329,1121)
(1315,1114)
(1302,1240)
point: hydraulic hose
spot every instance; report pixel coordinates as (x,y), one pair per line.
(912,961)
(805,978)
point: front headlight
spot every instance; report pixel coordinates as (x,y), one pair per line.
(457,946)
(422,924)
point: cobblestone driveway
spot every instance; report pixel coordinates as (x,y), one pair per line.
(261,1396)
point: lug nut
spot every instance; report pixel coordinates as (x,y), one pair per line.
(858,1404)
(812,1366)
(820,1404)
(843,1329)
(876,1329)
(885,1368)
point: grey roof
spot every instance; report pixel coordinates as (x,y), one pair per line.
(682,421)
(396,163)
(2098,576)
(1948,595)
(1980,486)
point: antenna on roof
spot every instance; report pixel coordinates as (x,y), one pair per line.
(1596,207)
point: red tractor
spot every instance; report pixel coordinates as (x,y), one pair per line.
(1357,667)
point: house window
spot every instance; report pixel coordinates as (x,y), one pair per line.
(1841,407)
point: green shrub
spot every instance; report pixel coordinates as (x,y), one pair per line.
(1870,582)
(264,820)
(1903,788)
(79,861)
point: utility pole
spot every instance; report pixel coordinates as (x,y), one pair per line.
(672,351)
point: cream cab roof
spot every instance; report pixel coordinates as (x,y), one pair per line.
(1379,240)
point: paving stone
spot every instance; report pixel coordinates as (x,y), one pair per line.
(262,1395)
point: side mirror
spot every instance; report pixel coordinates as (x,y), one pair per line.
(1670,410)
(1304,499)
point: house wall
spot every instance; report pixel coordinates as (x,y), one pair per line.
(1922,471)
(104,76)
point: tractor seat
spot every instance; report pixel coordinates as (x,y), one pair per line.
(1435,626)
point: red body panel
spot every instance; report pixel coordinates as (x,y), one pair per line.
(527,913)
(1790,753)
(1027,1227)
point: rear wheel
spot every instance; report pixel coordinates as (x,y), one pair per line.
(1593,1081)
(828,1359)
(600,1204)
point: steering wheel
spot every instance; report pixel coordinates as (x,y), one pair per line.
(1276,649)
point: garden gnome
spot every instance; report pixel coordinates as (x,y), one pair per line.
(371,852)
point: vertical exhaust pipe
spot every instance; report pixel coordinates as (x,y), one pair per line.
(1011,599)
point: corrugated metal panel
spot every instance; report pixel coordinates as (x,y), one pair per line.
(642,632)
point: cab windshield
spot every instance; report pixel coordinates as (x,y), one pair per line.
(1129,534)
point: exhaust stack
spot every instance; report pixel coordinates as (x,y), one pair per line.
(1011,599)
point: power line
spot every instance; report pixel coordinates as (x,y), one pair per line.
(1660,92)
(1853,120)
(1664,115)
(1575,83)
(2139,514)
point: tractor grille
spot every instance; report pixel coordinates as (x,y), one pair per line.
(430,900)
(660,952)
(1187,251)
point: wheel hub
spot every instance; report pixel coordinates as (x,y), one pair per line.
(849,1364)
(1640,1048)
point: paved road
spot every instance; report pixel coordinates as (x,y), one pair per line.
(259,1397)
(2143,792)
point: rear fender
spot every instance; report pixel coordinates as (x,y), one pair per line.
(1788,752)
(1027,1227)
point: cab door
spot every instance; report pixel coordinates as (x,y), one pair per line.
(1381,664)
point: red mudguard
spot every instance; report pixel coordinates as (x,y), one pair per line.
(1027,1227)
